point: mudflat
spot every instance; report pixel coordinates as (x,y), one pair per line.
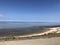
(46,41)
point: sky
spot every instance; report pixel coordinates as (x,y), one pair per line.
(30,10)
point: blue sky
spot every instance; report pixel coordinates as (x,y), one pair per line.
(30,10)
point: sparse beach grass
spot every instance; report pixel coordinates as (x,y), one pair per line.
(10,38)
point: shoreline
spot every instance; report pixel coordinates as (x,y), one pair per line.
(29,38)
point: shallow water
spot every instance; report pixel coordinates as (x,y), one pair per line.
(21,27)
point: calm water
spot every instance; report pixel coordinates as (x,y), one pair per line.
(6,27)
(23,24)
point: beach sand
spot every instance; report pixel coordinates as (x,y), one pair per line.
(46,41)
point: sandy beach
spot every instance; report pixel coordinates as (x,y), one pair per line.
(46,41)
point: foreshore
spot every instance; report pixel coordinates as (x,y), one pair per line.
(46,41)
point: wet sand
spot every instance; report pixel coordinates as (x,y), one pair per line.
(46,41)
